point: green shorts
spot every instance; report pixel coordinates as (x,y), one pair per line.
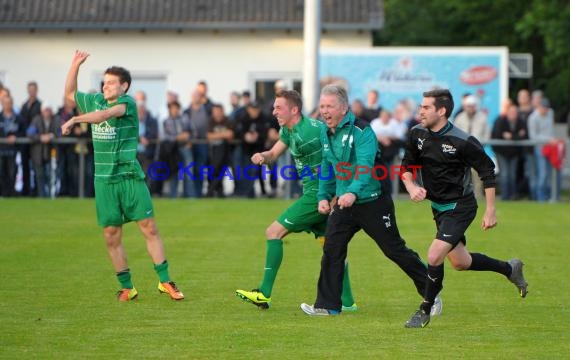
(303,215)
(119,203)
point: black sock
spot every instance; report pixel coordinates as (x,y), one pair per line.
(481,262)
(433,286)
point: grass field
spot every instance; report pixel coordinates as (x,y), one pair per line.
(57,292)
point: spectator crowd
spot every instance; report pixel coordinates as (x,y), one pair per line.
(206,135)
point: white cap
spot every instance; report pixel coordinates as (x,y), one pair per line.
(471,100)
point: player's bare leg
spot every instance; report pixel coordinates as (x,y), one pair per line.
(154,244)
(155,248)
(113,236)
(460,258)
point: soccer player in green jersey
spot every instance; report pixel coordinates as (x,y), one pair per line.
(121,194)
(300,135)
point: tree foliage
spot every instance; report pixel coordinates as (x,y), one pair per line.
(539,27)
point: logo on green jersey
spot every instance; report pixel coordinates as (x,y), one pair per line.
(349,138)
(103,131)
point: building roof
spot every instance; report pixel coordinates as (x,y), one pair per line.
(185,14)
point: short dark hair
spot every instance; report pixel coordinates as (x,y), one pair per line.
(443,99)
(123,74)
(292,97)
(357,101)
(174,104)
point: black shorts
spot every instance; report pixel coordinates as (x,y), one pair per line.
(452,224)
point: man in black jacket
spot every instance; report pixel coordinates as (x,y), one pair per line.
(253,130)
(446,155)
(509,126)
(29,110)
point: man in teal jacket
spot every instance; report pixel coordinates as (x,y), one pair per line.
(349,152)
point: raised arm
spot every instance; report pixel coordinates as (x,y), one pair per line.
(94,117)
(71,81)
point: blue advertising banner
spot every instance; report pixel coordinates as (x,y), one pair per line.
(400,73)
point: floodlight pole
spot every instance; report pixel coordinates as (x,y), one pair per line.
(311,37)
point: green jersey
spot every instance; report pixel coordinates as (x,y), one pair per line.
(115,140)
(304,143)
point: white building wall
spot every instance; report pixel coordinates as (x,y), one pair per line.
(226,60)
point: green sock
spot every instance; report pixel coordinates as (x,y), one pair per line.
(272,262)
(162,271)
(347,299)
(124,278)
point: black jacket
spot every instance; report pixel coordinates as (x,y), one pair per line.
(151,133)
(446,158)
(260,125)
(518,132)
(13,125)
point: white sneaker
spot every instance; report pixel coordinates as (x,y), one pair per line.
(313,311)
(437,307)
